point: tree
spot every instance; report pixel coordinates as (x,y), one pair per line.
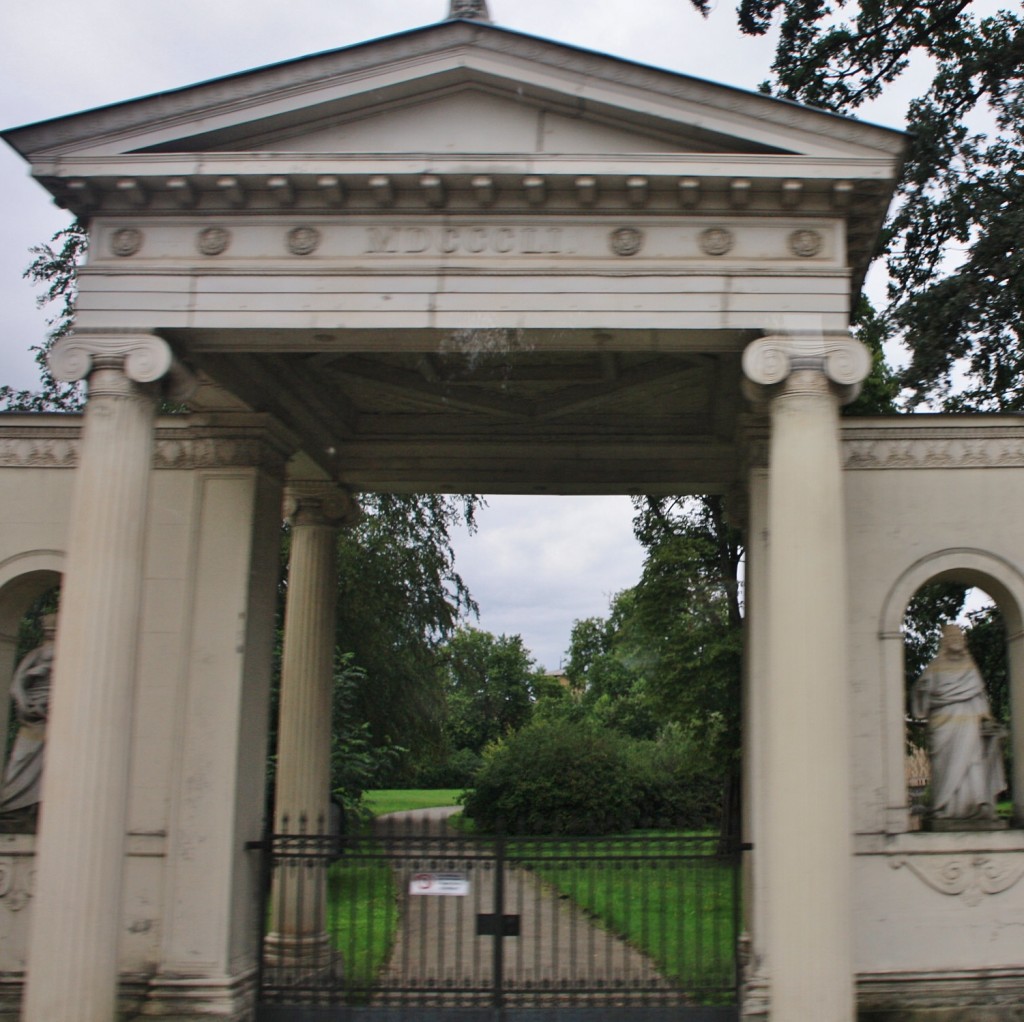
(399,598)
(963,183)
(688,604)
(491,685)
(56,268)
(606,665)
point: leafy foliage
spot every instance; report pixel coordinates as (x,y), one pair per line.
(399,598)
(357,765)
(963,186)
(607,664)
(986,639)
(55,266)
(688,605)
(563,773)
(491,684)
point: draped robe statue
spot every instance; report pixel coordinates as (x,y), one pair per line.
(30,692)
(965,743)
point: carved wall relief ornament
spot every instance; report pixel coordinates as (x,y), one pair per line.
(973,876)
(805,243)
(216,452)
(716,241)
(126,241)
(626,241)
(891,453)
(29,452)
(174,452)
(17,882)
(303,240)
(213,241)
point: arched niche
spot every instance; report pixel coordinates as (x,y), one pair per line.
(23,579)
(1004,583)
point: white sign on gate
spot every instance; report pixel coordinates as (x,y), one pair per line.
(456,884)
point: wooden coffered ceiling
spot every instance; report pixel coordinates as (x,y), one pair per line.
(498,419)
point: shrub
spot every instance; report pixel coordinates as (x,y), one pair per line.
(547,778)
(570,776)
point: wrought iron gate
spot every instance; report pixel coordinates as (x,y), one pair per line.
(419,921)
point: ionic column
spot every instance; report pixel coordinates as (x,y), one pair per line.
(805,828)
(72,969)
(303,788)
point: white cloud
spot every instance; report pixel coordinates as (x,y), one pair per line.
(539,563)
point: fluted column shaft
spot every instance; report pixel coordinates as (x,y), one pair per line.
(302,801)
(805,834)
(304,728)
(76,913)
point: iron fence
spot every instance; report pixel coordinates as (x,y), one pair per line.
(415,915)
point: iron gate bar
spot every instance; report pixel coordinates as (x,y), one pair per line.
(300,1013)
(561,963)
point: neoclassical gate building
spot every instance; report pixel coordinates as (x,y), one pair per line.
(465,259)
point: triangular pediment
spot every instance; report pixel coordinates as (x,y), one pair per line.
(456,87)
(475,118)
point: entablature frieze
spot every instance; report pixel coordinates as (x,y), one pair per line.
(933,442)
(386,244)
(49,444)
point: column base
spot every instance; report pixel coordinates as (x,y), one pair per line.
(194,998)
(308,951)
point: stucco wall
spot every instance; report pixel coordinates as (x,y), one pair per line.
(927,497)
(202,692)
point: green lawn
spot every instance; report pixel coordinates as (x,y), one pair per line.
(362,899)
(675,902)
(395,800)
(362,916)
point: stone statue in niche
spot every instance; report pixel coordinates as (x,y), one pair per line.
(965,742)
(30,693)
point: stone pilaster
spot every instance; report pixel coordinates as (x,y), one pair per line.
(805,841)
(73,950)
(302,801)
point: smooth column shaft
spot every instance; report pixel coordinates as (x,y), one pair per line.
(76,912)
(806,825)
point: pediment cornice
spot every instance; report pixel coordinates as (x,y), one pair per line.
(336,83)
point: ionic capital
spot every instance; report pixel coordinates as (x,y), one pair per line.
(316,502)
(845,362)
(144,358)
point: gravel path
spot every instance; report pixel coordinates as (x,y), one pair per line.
(558,948)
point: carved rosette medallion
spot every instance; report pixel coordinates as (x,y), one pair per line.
(212,241)
(805,243)
(716,241)
(626,241)
(126,241)
(302,241)
(972,876)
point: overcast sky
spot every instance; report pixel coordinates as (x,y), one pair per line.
(537,563)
